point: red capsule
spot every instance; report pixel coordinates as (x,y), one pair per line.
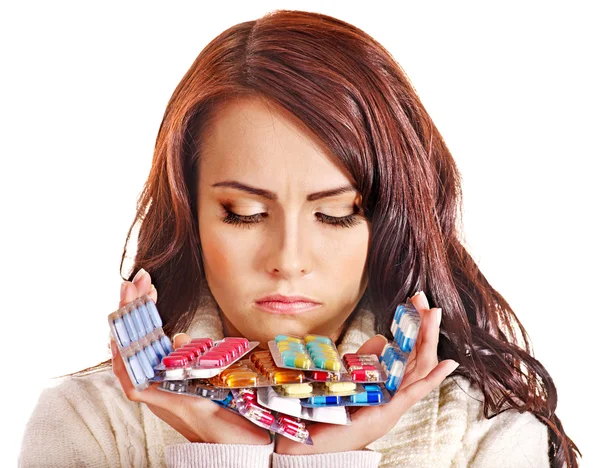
(211,359)
(189,353)
(320,375)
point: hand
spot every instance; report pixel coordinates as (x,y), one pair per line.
(423,374)
(197,419)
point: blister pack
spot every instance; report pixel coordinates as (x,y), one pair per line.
(203,359)
(318,389)
(193,388)
(137,329)
(361,368)
(268,398)
(314,352)
(372,395)
(248,406)
(394,357)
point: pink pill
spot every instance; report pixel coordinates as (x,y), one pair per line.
(171,361)
(211,359)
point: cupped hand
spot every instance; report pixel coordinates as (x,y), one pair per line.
(197,419)
(422,375)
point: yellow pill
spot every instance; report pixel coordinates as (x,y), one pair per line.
(280,377)
(336,387)
(333,365)
(297,389)
(241,379)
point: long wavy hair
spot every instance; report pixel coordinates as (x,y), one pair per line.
(350,92)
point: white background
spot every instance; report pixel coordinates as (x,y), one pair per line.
(513,88)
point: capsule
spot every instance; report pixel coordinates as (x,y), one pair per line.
(187,352)
(297,432)
(291,339)
(211,359)
(317,338)
(325,400)
(365,375)
(300,361)
(328,364)
(241,379)
(260,355)
(279,376)
(321,375)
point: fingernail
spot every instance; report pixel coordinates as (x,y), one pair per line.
(139,274)
(419,292)
(113,349)
(123,289)
(439,316)
(382,337)
(454,366)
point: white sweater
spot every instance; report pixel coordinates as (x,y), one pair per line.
(88,421)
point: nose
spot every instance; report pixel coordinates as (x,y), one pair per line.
(288,252)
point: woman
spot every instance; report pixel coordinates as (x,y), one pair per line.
(295,159)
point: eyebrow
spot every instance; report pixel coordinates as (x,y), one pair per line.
(273,196)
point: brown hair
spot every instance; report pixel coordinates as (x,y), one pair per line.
(348,90)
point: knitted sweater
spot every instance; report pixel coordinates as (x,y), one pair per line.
(88,421)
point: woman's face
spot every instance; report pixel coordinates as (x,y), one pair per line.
(277,218)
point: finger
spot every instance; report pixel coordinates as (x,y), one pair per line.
(426,355)
(420,302)
(129,293)
(142,282)
(180,339)
(373,345)
(120,372)
(408,396)
(153,293)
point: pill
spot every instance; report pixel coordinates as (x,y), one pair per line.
(329,364)
(283,346)
(299,361)
(121,331)
(366,397)
(158,349)
(297,389)
(368,375)
(325,400)
(409,338)
(189,353)
(145,315)
(320,375)
(137,322)
(297,432)
(317,338)
(243,341)
(202,347)
(291,339)
(166,344)
(131,331)
(260,355)
(154,315)
(152,356)
(241,379)
(173,361)
(238,348)
(145,363)
(279,377)
(196,349)
(288,421)
(337,387)
(211,359)
(136,369)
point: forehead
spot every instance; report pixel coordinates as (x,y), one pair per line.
(254,141)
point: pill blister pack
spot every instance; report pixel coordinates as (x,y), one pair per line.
(318,389)
(268,398)
(314,352)
(202,358)
(257,371)
(372,395)
(249,407)
(193,388)
(362,368)
(394,357)
(137,329)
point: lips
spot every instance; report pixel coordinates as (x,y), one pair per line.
(279,304)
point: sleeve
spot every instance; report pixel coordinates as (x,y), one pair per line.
(353,459)
(218,455)
(56,435)
(514,440)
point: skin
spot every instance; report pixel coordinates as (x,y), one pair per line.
(290,252)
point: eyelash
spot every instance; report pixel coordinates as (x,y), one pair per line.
(247,221)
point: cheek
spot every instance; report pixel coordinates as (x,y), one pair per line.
(345,257)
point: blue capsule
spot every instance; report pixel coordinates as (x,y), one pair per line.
(121,330)
(159,350)
(131,331)
(154,315)
(166,344)
(145,364)
(324,400)
(136,369)
(137,321)
(145,318)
